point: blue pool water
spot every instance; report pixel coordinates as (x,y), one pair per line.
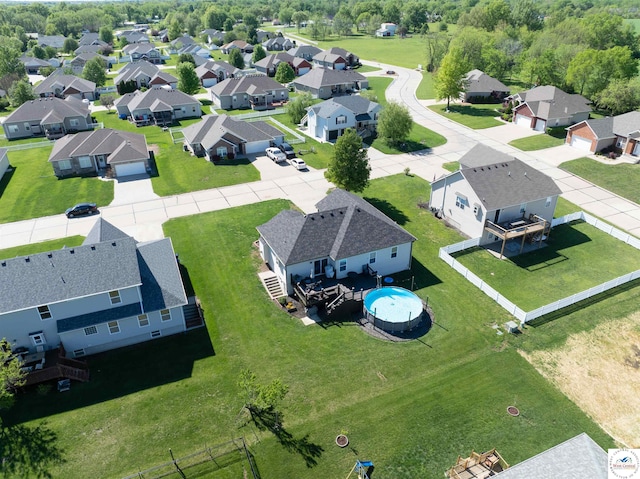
(392,304)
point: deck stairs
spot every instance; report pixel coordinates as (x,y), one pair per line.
(272,285)
(192,312)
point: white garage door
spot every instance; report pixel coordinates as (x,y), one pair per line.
(127,169)
(256,146)
(522,120)
(540,125)
(636,149)
(581,143)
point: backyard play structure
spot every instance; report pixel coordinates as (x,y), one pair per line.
(477,466)
(361,469)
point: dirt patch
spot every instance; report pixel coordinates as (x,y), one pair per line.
(600,371)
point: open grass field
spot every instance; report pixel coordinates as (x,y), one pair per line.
(621,179)
(32,178)
(476,116)
(426,90)
(571,262)
(411,408)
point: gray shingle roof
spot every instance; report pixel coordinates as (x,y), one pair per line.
(140,48)
(345,226)
(66,81)
(120,146)
(40,108)
(482,155)
(304,51)
(550,102)
(255,84)
(131,70)
(162,286)
(271,61)
(601,127)
(153,97)
(55,41)
(479,81)
(505,182)
(324,77)
(98,317)
(627,123)
(103,231)
(212,128)
(577,458)
(357,104)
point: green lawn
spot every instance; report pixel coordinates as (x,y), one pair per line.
(572,262)
(451,166)
(622,179)
(178,171)
(634,22)
(475,116)
(412,407)
(32,190)
(426,90)
(536,142)
(33,248)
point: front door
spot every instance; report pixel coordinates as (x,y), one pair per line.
(318,266)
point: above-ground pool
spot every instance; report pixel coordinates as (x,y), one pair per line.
(393,309)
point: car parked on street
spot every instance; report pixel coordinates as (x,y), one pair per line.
(275,154)
(81,209)
(297,163)
(288,150)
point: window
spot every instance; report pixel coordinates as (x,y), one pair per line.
(38,339)
(114,327)
(85,162)
(460,202)
(114,296)
(44,312)
(156,334)
(342,265)
(341,120)
(78,352)
(548,202)
(64,164)
(89,330)
(27,126)
(221,151)
(523,208)
(372,257)
(235,98)
(13,128)
(394,252)
(165,315)
(74,122)
(143,320)
(476,209)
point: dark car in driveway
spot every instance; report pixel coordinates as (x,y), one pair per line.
(81,209)
(288,150)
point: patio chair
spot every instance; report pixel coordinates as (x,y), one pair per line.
(64,385)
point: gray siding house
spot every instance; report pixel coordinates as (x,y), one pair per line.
(258,92)
(328,120)
(547,106)
(325,83)
(144,75)
(51,117)
(347,234)
(158,106)
(481,85)
(107,293)
(62,86)
(493,192)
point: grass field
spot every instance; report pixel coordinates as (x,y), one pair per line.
(621,179)
(412,408)
(571,263)
(426,89)
(536,142)
(475,116)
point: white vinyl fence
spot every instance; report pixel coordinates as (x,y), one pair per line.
(526,316)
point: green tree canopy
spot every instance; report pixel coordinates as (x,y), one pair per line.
(106,34)
(188,80)
(38,52)
(94,70)
(450,78)
(258,54)
(297,108)
(258,397)
(107,100)
(299,18)
(70,45)
(235,58)
(284,73)
(620,96)
(186,58)
(349,168)
(394,123)
(11,376)
(10,57)
(21,92)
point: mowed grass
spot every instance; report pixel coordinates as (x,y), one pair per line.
(573,261)
(536,142)
(622,179)
(426,89)
(34,248)
(178,171)
(32,190)
(412,408)
(476,116)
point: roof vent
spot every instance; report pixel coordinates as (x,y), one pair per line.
(49,255)
(509,173)
(27,260)
(4,263)
(113,244)
(72,251)
(93,247)
(525,173)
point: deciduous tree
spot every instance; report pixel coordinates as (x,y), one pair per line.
(259,398)
(21,92)
(299,18)
(284,73)
(70,45)
(188,80)
(258,54)
(94,70)
(297,108)
(620,96)
(107,101)
(235,58)
(450,78)
(394,123)
(349,168)
(11,376)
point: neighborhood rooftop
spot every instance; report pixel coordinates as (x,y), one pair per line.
(121,146)
(42,108)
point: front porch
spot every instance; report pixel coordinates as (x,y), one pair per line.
(533,229)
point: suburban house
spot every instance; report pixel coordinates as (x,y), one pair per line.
(194,50)
(494,195)
(545,107)
(182,41)
(52,117)
(212,72)
(77,64)
(480,85)
(221,136)
(324,83)
(55,41)
(243,46)
(304,51)
(4,162)
(328,120)
(263,35)
(109,292)
(133,36)
(142,74)
(62,86)
(258,92)
(386,30)
(278,44)
(346,235)
(135,52)
(33,65)
(163,36)
(336,59)
(213,35)
(269,64)
(621,131)
(92,49)
(157,105)
(88,152)
(91,38)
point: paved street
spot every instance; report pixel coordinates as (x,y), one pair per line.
(139,212)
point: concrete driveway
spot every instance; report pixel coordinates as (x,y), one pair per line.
(270,170)
(132,189)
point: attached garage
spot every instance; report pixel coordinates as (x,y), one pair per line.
(540,125)
(522,120)
(128,169)
(581,143)
(636,149)
(257,146)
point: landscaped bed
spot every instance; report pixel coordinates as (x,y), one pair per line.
(412,407)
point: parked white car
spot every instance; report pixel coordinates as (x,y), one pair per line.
(297,163)
(276,155)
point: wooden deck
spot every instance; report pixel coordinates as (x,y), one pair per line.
(57,366)
(478,466)
(532,229)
